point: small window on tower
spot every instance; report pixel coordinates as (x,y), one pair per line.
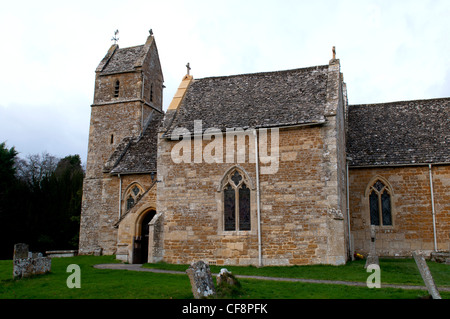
(116,88)
(151,93)
(112,138)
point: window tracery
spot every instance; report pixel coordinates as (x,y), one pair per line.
(380,204)
(133,195)
(236,202)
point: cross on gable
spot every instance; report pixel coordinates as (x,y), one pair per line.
(188,67)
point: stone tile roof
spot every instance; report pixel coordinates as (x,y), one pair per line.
(123,60)
(136,155)
(408,132)
(254,100)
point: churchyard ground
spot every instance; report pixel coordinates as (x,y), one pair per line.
(124,284)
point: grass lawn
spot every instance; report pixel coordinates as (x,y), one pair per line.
(123,284)
(393,271)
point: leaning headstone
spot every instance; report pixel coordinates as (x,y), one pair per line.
(426,276)
(201,280)
(372,258)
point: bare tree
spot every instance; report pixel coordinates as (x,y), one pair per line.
(35,167)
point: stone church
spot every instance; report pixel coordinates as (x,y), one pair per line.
(272,168)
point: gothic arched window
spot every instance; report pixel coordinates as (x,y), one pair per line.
(236,203)
(380,204)
(132,195)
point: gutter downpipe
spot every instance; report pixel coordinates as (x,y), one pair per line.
(432,207)
(120,196)
(258,200)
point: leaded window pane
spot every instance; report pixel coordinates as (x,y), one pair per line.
(229,208)
(386,209)
(378,186)
(236,178)
(244,208)
(130,202)
(374,210)
(136,190)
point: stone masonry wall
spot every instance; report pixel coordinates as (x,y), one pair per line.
(411,210)
(153,79)
(120,121)
(294,206)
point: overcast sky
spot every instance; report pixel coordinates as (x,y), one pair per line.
(389,51)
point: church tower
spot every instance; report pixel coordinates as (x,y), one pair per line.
(128,87)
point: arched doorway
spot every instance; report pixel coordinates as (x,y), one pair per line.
(140,253)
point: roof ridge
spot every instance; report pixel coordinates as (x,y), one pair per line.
(132,47)
(263,73)
(400,101)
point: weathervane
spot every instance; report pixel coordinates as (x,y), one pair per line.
(188,67)
(115,38)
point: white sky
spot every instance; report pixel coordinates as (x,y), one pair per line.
(389,51)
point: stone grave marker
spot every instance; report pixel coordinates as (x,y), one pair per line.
(20,251)
(226,276)
(372,258)
(426,275)
(201,280)
(26,263)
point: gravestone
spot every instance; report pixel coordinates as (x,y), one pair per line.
(226,276)
(372,258)
(426,276)
(26,263)
(20,251)
(201,280)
